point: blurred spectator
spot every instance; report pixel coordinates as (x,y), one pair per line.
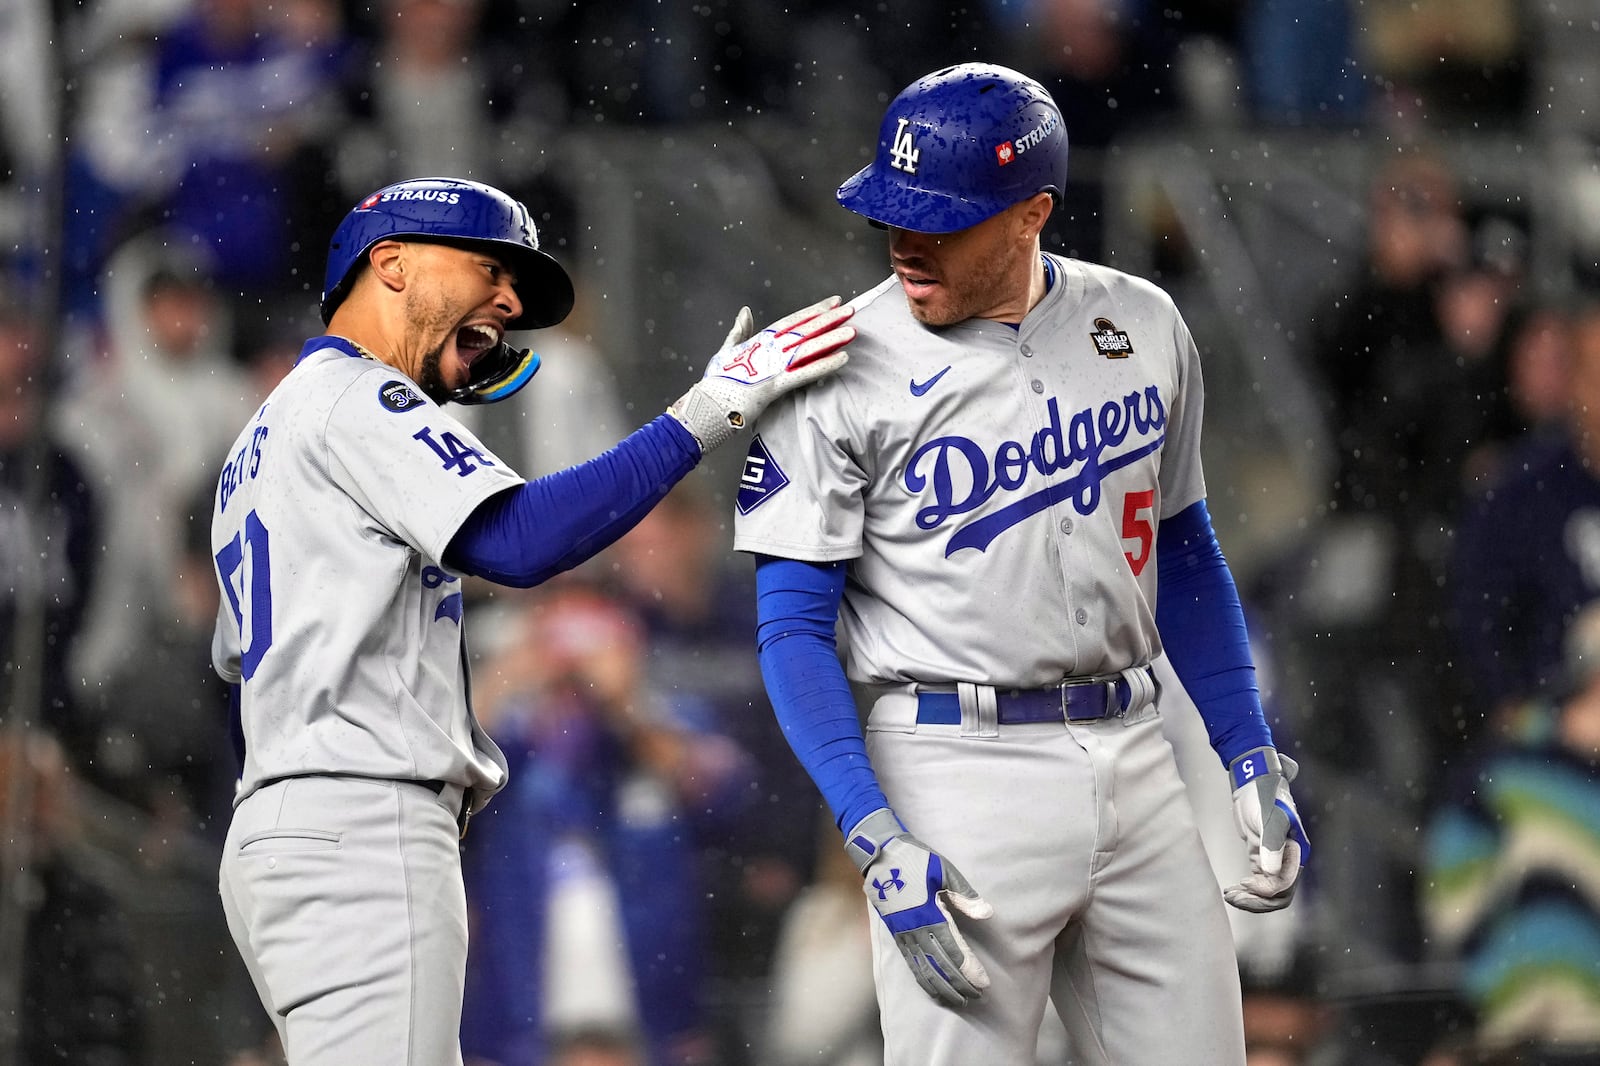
(1447,63)
(824,1008)
(698,607)
(29,134)
(47,544)
(1535,356)
(1285,1022)
(164,742)
(1417,406)
(110,164)
(1512,870)
(433,93)
(1301,62)
(147,423)
(241,114)
(613,784)
(1111,65)
(79,979)
(1528,554)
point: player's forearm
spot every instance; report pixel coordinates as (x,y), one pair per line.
(1203,630)
(817,713)
(797,604)
(537,530)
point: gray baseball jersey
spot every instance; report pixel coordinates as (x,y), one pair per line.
(331,517)
(998,488)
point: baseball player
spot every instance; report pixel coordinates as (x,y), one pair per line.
(983,502)
(346,516)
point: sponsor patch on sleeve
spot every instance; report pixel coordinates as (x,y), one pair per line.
(761,478)
(398,396)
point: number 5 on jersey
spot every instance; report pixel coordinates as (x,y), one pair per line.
(245,566)
(1136,525)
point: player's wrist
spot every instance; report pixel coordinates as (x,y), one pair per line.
(865,840)
(709,418)
(1253,764)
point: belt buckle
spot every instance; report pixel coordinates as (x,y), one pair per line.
(1111,708)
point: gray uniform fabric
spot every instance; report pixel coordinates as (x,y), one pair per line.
(363,670)
(996,492)
(332,513)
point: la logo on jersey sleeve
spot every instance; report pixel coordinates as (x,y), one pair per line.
(762,477)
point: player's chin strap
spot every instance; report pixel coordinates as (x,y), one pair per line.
(498,375)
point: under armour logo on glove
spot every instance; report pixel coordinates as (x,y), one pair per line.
(922,927)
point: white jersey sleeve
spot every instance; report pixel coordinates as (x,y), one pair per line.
(339,617)
(996,490)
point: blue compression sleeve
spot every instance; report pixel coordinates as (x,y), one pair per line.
(1203,629)
(797,604)
(530,533)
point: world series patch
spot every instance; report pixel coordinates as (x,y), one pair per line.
(1110,341)
(761,477)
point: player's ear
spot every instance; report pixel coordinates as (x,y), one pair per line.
(387,262)
(1033,213)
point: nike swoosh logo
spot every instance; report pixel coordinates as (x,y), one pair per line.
(918,388)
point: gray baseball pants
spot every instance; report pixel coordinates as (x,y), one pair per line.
(344,896)
(1082,837)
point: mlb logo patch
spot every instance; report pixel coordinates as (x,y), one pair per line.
(761,478)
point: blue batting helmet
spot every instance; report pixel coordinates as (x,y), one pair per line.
(959,145)
(451,211)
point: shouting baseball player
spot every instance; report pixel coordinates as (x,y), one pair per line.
(346,515)
(983,502)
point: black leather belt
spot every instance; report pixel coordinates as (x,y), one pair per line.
(464,815)
(1078,699)
(436,787)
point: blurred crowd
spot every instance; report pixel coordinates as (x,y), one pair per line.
(660,885)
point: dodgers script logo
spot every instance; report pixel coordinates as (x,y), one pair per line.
(961,476)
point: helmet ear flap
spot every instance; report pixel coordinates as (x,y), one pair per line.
(498,375)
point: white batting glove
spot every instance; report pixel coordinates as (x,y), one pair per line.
(909,886)
(1264,812)
(752,371)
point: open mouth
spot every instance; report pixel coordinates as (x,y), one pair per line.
(472,341)
(916,284)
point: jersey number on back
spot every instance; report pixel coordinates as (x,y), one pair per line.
(246,570)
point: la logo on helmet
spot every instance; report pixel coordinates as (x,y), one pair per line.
(903,155)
